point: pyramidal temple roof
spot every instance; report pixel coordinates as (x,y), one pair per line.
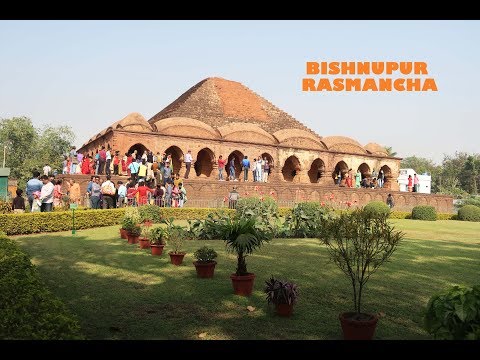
(218,102)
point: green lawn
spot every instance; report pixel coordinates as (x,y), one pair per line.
(121,292)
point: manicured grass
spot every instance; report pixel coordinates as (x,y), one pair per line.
(121,292)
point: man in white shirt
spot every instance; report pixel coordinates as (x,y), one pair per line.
(108,161)
(47,170)
(46,195)
(188,163)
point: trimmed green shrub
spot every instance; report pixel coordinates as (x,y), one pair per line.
(424,212)
(445,216)
(469,213)
(28,309)
(454,314)
(400,215)
(15,224)
(377,208)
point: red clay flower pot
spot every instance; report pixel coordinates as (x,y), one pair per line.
(144,243)
(284,309)
(176,259)
(123,234)
(157,249)
(148,223)
(133,239)
(358,327)
(205,270)
(242,285)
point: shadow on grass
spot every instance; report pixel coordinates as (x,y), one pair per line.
(121,292)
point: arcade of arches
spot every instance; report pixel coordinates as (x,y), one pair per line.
(293,168)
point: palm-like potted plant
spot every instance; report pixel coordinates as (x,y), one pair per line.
(243,236)
(145,238)
(282,294)
(134,234)
(358,243)
(157,240)
(205,264)
(176,237)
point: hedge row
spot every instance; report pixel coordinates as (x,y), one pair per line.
(16,224)
(28,310)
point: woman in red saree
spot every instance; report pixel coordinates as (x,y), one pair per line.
(129,161)
(86,165)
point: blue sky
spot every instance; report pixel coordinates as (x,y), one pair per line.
(88,74)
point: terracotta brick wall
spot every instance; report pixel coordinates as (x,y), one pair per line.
(202,192)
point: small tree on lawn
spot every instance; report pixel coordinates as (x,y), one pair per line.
(358,243)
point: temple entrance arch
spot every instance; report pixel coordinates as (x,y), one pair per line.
(140,149)
(177,158)
(341,167)
(238,156)
(317,170)
(387,175)
(204,162)
(364,170)
(291,168)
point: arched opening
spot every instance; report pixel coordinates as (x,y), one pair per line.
(238,156)
(317,171)
(341,167)
(140,149)
(387,176)
(364,170)
(177,156)
(291,168)
(204,162)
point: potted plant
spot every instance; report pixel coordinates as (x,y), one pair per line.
(145,238)
(243,236)
(358,243)
(282,294)
(127,223)
(176,237)
(134,234)
(205,264)
(157,240)
(130,219)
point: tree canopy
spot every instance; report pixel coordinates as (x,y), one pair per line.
(29,148)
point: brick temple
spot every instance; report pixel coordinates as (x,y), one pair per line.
(222,117)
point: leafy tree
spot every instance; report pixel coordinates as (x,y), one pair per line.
(28,148)
(456,167)
(469,175)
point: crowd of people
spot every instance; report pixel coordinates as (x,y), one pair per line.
(357,180)
(163,188)
(260,168)
(107,195)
